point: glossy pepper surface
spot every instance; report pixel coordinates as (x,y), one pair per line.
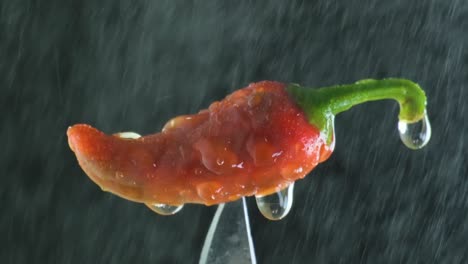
(256,141)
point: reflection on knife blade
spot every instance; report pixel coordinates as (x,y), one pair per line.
(229,239)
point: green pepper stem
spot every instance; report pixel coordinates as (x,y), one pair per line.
(321,105)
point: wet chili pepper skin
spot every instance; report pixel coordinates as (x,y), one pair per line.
(254,142)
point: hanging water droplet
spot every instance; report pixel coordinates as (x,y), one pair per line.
(277,205)
(415,135)
(129,135)
(165,209)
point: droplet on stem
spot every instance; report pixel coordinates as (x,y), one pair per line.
(415,135)
(277,205)
(165,209)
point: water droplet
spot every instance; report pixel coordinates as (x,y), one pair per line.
(298,170)
(165,209)
(277,154)
(240,165)
(219,161)
(277,205)
(415,135)
(119,174)
(128,135)
(210,191)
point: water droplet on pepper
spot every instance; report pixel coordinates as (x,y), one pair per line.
(216,156)
(277,205)
(127,135)
(119,175)
(165,209)
(210,191)
(219,161)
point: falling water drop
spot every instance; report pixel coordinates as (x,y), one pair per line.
(165,209)
(277,205)
(415,135)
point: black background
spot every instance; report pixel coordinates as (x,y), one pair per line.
(132,65)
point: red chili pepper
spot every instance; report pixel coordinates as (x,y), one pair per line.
(256,141)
